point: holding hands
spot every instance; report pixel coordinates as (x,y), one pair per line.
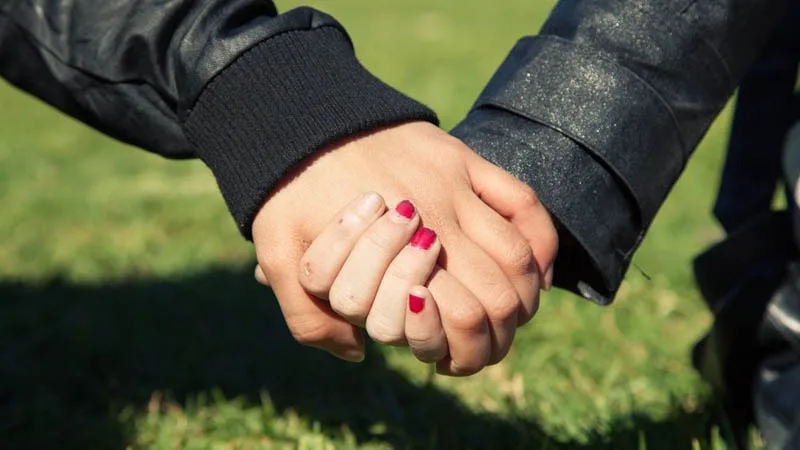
(449,260)
(367,262)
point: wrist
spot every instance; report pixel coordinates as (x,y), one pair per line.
(281,102)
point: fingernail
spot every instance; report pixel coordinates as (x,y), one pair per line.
(370,203)
(355,355)
(405,209)
(548,279)
(415,304)
(423,238)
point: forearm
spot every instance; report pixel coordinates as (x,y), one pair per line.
(250,91)
(600,112)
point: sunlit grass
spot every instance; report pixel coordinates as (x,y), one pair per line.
(128,315)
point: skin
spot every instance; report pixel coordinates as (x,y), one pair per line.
(497,243)
(381,259)
(423,327)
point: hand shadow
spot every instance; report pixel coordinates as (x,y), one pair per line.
(72,357)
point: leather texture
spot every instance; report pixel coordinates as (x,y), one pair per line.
(247,90)
(598,113)
(633,85)
(133,68)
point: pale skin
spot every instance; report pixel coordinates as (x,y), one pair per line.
(479,279)
(386,256)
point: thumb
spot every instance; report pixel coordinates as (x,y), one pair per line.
(260,276)
(310,320)
(517,202)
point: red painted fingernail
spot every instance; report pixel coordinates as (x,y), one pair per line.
(405,209)
(423,238)
(415,304)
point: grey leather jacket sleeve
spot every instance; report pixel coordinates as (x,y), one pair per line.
(600,112)
(249,91)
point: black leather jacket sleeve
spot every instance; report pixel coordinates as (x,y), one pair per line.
(249,91)
(600,112)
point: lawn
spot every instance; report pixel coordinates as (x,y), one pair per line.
(129,316)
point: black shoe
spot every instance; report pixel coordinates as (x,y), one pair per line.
(739,278)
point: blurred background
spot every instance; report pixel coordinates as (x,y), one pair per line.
(129,316)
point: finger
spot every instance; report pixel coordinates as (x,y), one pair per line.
(515,200)
(353,291)
(260,277)
(507,247)
(412,266)
(465,326)
(479,274)
(423,327)
(310,320)
(325,256)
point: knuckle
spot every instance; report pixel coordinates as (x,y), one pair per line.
(465,369)
(526,196)
(271,267)
(260,276)
(420,343)
(347,304)
(349,222)
(428,349)
(313,277)
(469,319)
(401,270)
(310,334)
(451,147)
(378,239)
(503,306)
(519,258)
(427,356)
(383,334)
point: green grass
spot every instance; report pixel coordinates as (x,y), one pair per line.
(129,317)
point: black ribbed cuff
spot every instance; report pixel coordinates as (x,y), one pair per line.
(281,101)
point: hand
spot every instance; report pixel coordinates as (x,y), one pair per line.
(487,280)
(382,256)
(423,328)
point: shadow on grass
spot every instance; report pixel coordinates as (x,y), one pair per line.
(72,357)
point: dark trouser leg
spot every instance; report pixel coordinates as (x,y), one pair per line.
(765,110)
